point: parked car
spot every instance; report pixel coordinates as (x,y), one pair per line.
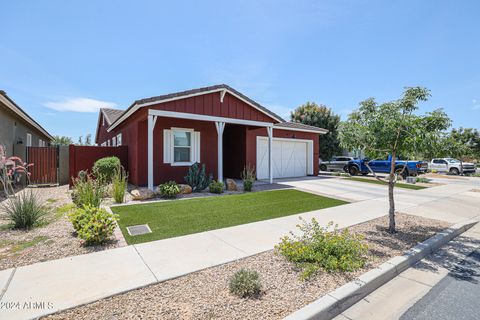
(412,168)
(451,165)
(338,163)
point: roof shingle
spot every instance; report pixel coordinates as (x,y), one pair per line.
(299,126)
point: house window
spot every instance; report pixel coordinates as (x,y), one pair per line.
(29,140)
(104,144)
(108,143)
(40,143)
(119,139)
(114,142)
(182,146)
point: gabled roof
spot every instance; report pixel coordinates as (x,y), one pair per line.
(189,93)
(297,126)
(111,115)
(10,104)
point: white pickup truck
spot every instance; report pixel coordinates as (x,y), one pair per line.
(451,165)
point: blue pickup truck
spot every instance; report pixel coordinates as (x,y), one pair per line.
(413,168)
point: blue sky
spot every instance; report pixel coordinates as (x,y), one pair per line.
(61,60)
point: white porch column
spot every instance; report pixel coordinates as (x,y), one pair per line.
(270,154)
(151,125)
(220,126)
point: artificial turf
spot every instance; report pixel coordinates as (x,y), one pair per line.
(181,217)
(397,185)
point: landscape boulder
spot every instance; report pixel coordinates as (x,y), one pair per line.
(185,189)
(142,194)
(231,185)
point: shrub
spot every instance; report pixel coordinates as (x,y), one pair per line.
(24,211)
(94,225)
(216,187)
(422,180)
(119,184)
(104,168)
(317,248)
(87,192)
(248,177)
(245,283)
(169,190)
(197,178)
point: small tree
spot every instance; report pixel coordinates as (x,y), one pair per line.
(61,141)
(320,116)
(392,128)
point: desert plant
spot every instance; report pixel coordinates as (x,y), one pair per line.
(119,184)
(12,169)
(216,187)
(245,283)
(318,248)
(104,169)
(94,225)
(197,178)
(248,177)
(24,211)
(87,192)
(169,190)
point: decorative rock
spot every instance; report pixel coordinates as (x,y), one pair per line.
(142,194)
(185,189)
(231,185)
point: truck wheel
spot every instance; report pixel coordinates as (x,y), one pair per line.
(454,171)
(404,174)
(353,170)
(323,167)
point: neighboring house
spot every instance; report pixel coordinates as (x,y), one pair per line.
(216,126)
(18,130)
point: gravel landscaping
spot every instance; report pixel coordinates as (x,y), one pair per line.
(53,240)
(205,294)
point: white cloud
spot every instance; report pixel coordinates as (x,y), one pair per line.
(79,104)
(476,104)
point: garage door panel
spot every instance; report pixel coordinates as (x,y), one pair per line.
(289,158)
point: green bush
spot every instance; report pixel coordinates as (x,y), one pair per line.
(104,169)
(216,187)
(197,177)
(245,283)
(24,211)
(94,225)
(318,248)
(248,177)
(87,192)
(119,184)
(423,180)
(169,190)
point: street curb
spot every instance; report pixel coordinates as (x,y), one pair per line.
(337,301)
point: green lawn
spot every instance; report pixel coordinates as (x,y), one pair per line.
(180,217)
(397,185)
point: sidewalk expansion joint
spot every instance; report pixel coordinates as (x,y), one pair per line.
(4,290)
(146,265)
(227,243)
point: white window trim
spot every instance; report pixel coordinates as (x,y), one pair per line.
(172,146)
(119,139)
(114,141)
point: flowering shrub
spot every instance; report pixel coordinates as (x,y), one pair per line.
(11,171)
(318,248)
(169,190)
(87,192)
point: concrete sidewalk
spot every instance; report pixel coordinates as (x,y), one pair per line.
(69,282)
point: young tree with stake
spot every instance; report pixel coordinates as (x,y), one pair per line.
(392,128)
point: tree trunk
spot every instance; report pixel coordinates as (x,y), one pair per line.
(391,200)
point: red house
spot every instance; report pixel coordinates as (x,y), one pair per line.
(216,126)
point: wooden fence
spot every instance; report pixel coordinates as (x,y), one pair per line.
(83,157)
(45,162)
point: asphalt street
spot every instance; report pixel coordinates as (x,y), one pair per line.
(457,296)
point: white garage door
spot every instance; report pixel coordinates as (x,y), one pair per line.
(290,158)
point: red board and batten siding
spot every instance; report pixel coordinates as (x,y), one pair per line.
(83,157)
(134,135)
